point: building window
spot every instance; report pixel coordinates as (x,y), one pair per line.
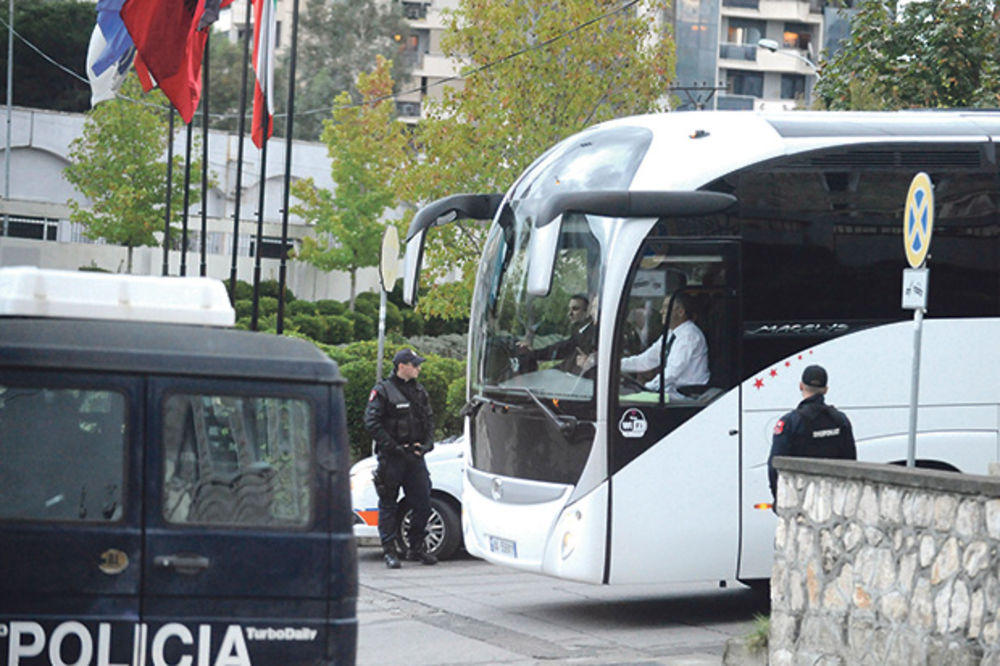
(746,83)
(744,31)
(797,36)
(793,86)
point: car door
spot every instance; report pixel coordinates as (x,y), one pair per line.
(70,509)
(237,540)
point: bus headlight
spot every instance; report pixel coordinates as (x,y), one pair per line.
(571,523)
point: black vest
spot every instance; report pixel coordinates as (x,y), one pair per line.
(824,432)
(405,419)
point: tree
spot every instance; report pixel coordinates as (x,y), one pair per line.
(61,29)
(366,148)
(119,164)
(225,78)
(534,77)
(937,54)
(338,40)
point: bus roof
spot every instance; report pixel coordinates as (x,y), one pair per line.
(690,149)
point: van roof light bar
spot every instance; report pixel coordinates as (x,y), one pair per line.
(28,291)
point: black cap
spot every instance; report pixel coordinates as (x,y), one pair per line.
(408,356)
(814,376)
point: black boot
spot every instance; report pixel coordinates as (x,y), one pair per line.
(421,555)
(391,559)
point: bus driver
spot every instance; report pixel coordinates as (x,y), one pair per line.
(686,351)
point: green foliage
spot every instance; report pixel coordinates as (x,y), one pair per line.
(413,323)
(244,290)
(330,307)
(482,135)
(451,419)
(366,148)
(337,42)
(364,326)
(244,308)
(757,639)
(360,376)
(301,307)
(118,164)
(37,83)
(267,306)
(340,329)
(937,54)
(310,325)
(271,288)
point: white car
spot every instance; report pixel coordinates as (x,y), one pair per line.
(444,527)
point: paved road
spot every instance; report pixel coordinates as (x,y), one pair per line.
(469,612)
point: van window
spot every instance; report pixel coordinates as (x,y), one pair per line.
(62,454)
(234,460)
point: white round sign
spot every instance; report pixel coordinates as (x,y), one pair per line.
(388,263)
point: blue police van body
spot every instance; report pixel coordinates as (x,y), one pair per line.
(170,493)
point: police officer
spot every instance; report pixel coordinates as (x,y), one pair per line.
(814,429)
(400,420)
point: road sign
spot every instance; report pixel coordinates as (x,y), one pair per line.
(918,219)
(915,288)
(388,263)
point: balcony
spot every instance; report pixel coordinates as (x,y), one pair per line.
(741,4)
(730,51)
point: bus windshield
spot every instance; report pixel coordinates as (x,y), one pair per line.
(543,344)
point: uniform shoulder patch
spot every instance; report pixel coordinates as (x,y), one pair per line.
(779,427)
(371,396)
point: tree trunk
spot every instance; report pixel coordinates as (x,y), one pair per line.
(128,263)
(354,286)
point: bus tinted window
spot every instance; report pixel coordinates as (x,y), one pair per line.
(823,234)
(231,460)
(62,453)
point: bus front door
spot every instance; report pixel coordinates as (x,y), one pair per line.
(674,422)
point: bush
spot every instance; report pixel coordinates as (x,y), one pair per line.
(244,308)
(268,306)
(452,345)
(301,307)
(270,288)
(310,325)
(413,324)
(327,307)
(364,326)
(451,419)
(338,330)
(244,291)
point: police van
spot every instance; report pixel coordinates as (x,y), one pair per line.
(172,490)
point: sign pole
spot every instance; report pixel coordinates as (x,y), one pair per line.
(918,225)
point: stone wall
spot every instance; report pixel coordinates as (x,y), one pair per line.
(879,564)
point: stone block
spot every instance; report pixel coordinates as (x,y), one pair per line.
(894,606)
(885,570)
(946,563)
(890,499)
(960,604)
(783,630)
(945,507)
(921,605)
(928,549)
(918,509)
(993,518)
(976,607)
(852,537)
(969,520)
(976,558)
(942,608)
(868,506)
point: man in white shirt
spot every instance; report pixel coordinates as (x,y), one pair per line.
(686,352)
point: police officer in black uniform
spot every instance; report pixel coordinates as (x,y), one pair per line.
(814,429)
(400,420)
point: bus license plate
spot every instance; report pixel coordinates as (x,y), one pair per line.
(503,546)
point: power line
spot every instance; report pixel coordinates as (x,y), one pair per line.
(440,82)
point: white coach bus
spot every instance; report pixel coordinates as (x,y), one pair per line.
(785,232)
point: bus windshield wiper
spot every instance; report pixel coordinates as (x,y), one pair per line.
(566,424)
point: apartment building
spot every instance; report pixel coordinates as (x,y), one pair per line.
(752,54)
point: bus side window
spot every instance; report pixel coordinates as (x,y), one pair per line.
(231,460)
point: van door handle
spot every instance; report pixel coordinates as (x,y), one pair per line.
(186,563)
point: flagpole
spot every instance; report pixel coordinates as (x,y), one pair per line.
(204,157)
(239,156)
(260,228)
(283,265)
(170,184)
(187,199)
(10,101)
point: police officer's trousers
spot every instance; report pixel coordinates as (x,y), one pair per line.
(409,472)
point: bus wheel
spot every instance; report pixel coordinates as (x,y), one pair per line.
(444,529)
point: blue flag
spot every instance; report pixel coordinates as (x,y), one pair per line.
(118,41)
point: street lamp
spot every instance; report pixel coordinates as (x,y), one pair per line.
(772,46)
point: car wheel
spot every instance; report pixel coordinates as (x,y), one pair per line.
(444,529)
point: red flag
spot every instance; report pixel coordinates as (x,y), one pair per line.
(167,38)
(264,30)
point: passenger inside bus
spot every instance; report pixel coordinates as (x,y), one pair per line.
(685,355)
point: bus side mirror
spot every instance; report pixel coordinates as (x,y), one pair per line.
(411,266)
